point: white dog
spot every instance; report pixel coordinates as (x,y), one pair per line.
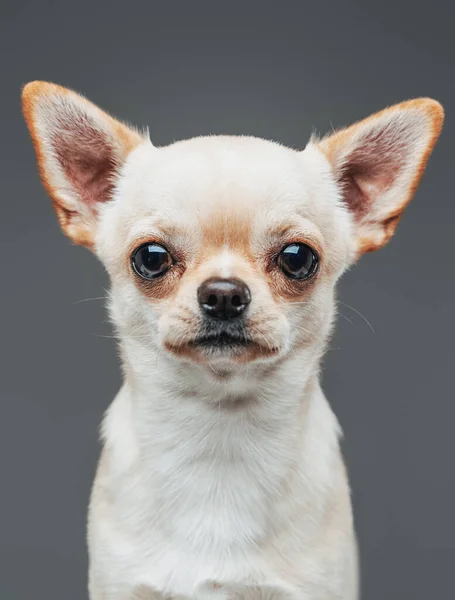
(221,475)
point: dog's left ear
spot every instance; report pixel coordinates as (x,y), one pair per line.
(80,151)
(378,164)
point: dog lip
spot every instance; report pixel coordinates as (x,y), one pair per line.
(222,338)
(223,345)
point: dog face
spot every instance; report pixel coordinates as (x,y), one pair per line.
(223,256)
(226,250)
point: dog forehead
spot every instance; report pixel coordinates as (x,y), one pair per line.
(223,190)
(215,192)
(226,173)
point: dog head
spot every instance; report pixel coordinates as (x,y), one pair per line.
(226,250)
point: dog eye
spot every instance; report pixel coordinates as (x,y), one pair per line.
(151,261)
(298,261)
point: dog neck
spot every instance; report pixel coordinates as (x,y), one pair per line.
(166,401)
(215,464)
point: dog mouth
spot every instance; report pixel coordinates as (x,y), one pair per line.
(223,340)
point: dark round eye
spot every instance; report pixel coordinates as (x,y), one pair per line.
(298,261)
(151,261)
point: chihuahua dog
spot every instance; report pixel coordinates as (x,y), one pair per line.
(221,475)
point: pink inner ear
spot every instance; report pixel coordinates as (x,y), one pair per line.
(373,166)
(86,157)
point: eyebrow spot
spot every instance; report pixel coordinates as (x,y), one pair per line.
(224,228)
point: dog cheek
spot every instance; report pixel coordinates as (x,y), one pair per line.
(271,328)
(175,327)
(168,332)
(311,321)
(132,315)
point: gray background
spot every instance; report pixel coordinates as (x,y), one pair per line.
(275,70)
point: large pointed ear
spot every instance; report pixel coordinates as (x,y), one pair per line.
(79,149)
(379,162)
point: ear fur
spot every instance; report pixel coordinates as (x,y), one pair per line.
(79,150)
(378,164)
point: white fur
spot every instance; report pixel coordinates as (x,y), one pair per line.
(221,479)
(191,490)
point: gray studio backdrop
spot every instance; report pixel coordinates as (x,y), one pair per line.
(275,70)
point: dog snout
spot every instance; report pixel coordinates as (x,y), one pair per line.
(224,298)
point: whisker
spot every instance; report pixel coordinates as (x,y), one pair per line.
(347,319)
(158,355)
(118,337)
(211,366)
(109,337)
(352,308)
(90,299)
(358,313)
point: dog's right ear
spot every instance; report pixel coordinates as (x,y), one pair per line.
(79,149)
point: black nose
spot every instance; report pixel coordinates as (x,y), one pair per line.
(223,298)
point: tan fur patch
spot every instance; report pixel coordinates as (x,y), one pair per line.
(224,228)
(164,287)
(284,289)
